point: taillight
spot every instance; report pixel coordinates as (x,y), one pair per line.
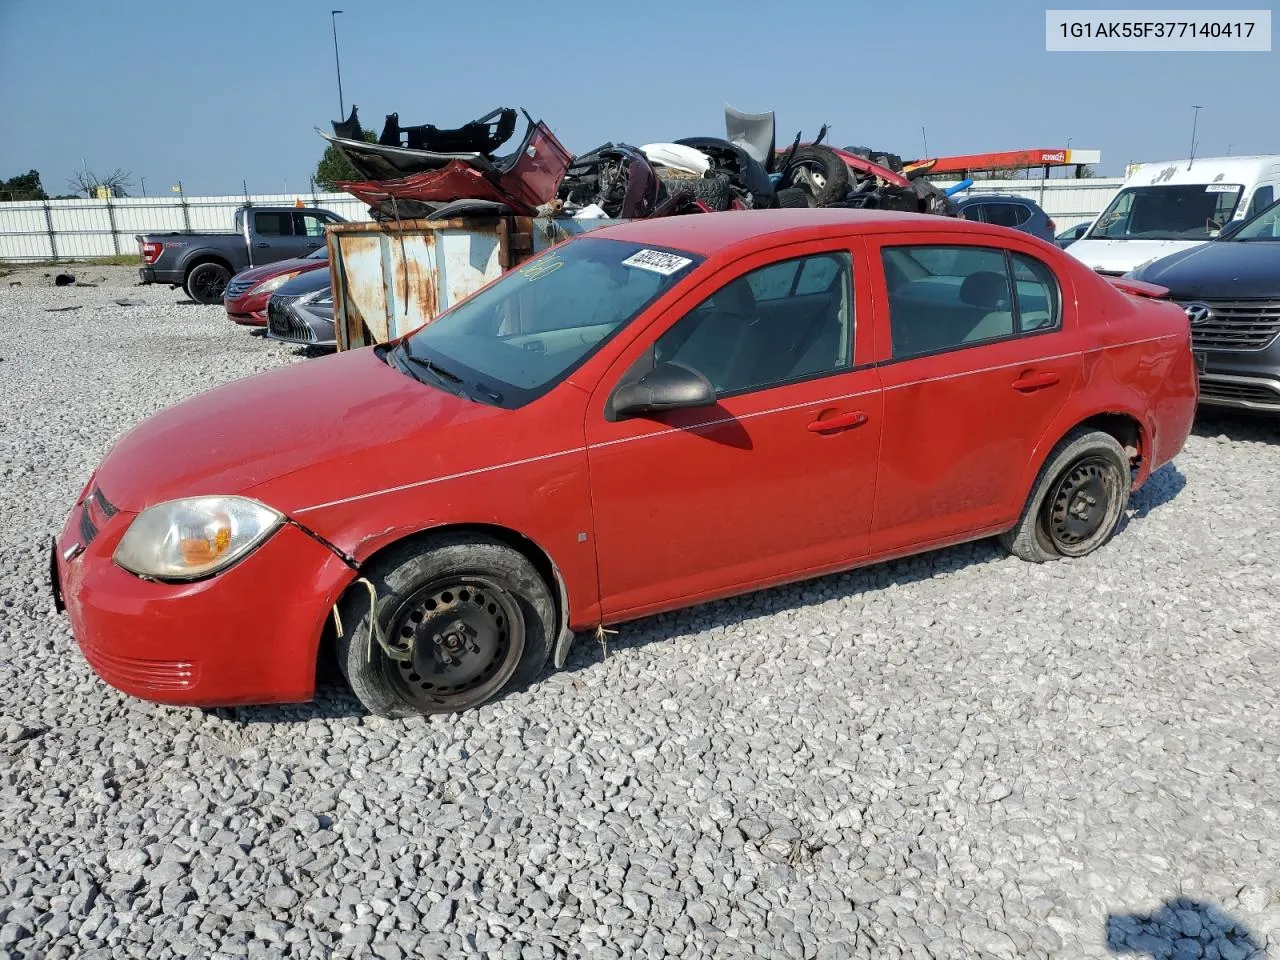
(151,251)
(1053,227)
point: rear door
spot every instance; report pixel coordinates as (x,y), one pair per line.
(980,349)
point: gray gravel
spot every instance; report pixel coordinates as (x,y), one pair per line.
(951,756)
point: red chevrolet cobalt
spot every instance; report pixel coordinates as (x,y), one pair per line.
(639,419)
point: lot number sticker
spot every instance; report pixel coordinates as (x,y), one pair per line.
(658,261)
(1222,188)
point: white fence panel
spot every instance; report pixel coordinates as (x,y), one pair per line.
(70,229)
(74,229)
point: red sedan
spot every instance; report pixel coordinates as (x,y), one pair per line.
(249,290)
(642,418)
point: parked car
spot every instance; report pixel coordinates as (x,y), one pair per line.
(1230,290)
(203,263)
(639,419)
(1069,236)
(1007,210)
(247,294)
(1175,205)
(301,311)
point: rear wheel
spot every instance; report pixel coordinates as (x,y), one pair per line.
(463,617)
(1077,501)
(820,172)
(206,282)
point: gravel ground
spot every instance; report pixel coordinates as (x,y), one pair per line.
(958,755)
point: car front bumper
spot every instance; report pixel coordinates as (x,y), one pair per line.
(247,635)
(295,321)
(250,311)
(1245,379)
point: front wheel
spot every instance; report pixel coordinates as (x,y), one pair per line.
(464,618)
(1077,502)
(207,282)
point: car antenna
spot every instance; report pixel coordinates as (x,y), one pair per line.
(1194,117)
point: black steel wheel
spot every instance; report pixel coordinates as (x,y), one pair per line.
(207,282)
(463,636)
(1077,501)
(461,619)
(1074,514)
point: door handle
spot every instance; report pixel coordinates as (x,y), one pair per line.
(263,244)
(841,421)
(1035,381)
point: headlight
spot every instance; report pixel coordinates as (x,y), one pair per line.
(187,539)
(321,298)
(275,283)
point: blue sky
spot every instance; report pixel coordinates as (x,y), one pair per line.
(214,93)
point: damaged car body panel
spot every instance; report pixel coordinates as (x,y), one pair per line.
(523,180)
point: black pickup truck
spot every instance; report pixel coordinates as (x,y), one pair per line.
(202,263)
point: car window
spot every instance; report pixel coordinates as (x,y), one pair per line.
(1262,198)
(742,341)
(273,224)
(1038,303)
(1007,214)
(962,297)
(307,225)
(524,333)
(1194,211)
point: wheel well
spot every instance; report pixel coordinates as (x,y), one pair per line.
(206,258)
(1126,429)
(541,561)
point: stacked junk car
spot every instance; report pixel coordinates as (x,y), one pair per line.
(452,211)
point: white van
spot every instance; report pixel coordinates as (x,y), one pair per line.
(1166,207)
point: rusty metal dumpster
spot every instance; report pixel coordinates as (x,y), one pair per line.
(392,277)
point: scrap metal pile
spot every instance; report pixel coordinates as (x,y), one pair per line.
(428,172)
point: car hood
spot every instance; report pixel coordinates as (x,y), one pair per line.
(258,274)
(305,283)
(294,437)
(1222,270)
(1121,256)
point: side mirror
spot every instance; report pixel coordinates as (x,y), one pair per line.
(668,386)
(1232,227)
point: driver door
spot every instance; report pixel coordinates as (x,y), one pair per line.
(774,482)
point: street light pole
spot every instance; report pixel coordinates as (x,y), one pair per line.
(1194,118)
(333,19)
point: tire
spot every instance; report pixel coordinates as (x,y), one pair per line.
(482,603)
(714,191)
(793,197)
(820,172)
(1087,472)
(206,282)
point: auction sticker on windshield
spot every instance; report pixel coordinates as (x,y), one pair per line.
(1222,188)
(658,261)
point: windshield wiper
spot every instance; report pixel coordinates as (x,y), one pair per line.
(445,378)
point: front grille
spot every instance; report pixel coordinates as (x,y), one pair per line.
(282,323)
(1236,324)
(95,502)
(238,288)
(1239,393)
(137,674)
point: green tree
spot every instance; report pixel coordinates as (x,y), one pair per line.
(333,166)
(25,186)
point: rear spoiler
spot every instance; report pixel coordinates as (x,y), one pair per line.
(1139,288)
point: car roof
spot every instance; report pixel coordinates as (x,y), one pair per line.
(708,233)
(1001,197)
(1201,170)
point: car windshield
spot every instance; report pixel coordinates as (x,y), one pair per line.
(521,335)
(1193,211)
(1264,226)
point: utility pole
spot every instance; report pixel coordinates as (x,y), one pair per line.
(333,20)
(1194,118)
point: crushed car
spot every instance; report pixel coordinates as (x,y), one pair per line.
(411,170)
